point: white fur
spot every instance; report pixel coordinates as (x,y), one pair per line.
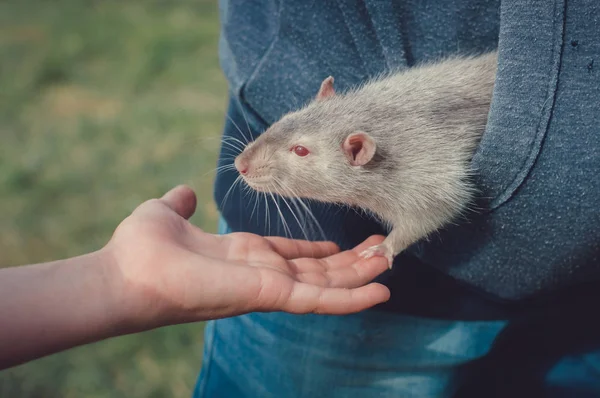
(426,123)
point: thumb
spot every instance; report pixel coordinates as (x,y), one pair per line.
(182,200)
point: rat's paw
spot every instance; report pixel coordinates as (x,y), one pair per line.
(379,250)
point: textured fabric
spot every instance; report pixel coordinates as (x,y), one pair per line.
(461,321)
(538,160)
(376,354)
(381,354)
(276,53)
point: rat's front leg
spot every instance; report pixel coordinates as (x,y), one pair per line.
(393,244)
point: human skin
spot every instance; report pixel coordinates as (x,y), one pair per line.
(158,269)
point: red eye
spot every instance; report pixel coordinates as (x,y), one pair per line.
(300,150)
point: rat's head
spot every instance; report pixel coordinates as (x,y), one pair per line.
(317,152)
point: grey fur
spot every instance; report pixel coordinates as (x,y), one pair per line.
(426,122)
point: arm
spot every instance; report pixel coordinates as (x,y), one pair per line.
(50,307)
(158,269)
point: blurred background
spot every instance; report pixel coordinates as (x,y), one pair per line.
(104,104)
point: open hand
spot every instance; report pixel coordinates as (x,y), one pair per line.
(170,271)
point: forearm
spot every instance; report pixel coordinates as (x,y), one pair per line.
(46,308)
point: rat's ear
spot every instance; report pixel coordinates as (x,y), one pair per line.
(326,89)
(359,148)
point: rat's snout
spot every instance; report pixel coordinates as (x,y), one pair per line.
(241,164)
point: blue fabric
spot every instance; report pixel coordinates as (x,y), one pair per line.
(501,305)
(382,354)
(538,160)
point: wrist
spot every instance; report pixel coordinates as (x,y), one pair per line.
(124,312)
(135,304)
(114,312)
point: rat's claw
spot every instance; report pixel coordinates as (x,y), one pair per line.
(381,251)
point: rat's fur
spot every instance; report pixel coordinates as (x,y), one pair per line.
(426,123)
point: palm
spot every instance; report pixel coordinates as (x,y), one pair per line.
(197,275)
(300,276)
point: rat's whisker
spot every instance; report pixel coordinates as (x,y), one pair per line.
(285,192)
(267,220)
(228,159)
(319,231)
(237,180)
(238,129)
(254,196)
(307,222)
(219,169)
(225,167)
(293,198)
(268,214)
(232,146)
(308,212)
(303,226)
(286,228)
(294,215)
(245,118)
(286,225)
(236,140)
(228,154)
(272,197)
(301,214)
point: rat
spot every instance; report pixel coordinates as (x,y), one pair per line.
(399,146)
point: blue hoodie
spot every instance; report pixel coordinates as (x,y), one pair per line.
(538,163)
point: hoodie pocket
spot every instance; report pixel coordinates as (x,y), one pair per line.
(529,54)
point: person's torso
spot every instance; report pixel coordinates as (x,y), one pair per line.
(538,162)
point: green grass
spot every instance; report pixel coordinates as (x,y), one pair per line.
(104,105)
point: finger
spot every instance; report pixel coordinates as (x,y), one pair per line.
(354,275)
(182,200)
(370,241)
(349,257)
(343,260)
(306,298)
(295,248)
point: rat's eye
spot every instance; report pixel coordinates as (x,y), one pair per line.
(300,150)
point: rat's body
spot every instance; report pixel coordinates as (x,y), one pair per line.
(399,146)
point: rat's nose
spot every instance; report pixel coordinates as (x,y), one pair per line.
(241,165)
